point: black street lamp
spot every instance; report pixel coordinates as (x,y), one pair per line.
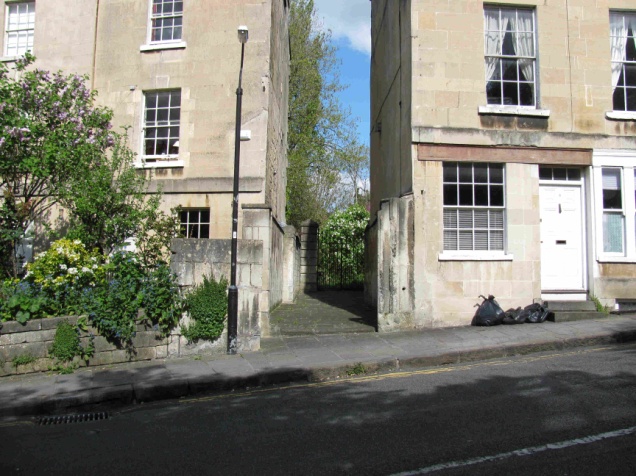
(232,296)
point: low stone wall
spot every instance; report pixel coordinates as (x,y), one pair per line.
(35,339)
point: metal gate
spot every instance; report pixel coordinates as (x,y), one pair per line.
(340,262)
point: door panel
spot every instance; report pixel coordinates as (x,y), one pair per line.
(561,238)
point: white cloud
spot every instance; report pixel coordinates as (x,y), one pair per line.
(347,19)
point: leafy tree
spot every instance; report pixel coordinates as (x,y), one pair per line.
(50,130)
(109,204)
(322,146)
(56,147)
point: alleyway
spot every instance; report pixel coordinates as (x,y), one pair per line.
(324,312)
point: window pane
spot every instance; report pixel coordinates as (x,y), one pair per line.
(510,94)
(612,194)
(481,173)
(526,94)
(450,240)
(545,173)
(466,240)
(481,195)
(493,91)
(496,173)
(560,173)
(496,196)
(481,240)
(465,219)
(465,173)
(510,72)
(450,194)
(630,99)
(466,195)
(574,174)
(612,233)
(450,172)
(450,218)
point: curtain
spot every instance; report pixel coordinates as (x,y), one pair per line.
(495,30)
(618,39)
(525,42)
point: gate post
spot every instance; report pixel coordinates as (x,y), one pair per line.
(309,256)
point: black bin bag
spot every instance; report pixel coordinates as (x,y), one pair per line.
(489,313)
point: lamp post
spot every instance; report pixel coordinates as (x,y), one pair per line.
(232,296)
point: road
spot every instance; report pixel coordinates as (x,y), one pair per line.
(568,413)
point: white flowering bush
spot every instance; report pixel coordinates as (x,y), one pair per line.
(341,248)
(65,263)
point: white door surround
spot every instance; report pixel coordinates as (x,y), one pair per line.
(563,264)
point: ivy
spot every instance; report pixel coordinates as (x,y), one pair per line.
(207,306)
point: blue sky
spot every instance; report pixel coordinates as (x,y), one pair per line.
(349,22)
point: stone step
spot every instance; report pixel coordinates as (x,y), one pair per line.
(556,306)
(566,316)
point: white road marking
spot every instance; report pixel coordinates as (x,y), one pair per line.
(522,452)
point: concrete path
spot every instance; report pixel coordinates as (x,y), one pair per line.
(324,312)
(297,358)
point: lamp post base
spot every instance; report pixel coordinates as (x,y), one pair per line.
(232,324)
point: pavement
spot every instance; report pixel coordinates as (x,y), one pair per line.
(289,358)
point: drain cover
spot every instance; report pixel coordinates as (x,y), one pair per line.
(77,418)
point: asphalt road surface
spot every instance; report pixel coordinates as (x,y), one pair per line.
(568,413)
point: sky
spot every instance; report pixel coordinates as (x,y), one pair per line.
(350,25)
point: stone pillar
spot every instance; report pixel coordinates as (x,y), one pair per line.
(395,242)
(291,264)
(309,256)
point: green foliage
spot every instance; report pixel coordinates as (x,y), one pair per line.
(67,345)
(357,369)
(23,359)
(22,301)
(207,306)
(161,300)
(50,131)
(322,143)
(114,304)
(109,204)
(342,240)
(599,306)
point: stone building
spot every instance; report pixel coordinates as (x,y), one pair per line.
(503,155)
(169,69)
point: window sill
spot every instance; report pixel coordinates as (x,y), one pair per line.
(8,59)
(621,115)
(616,259)
(160,164)
(163,46)
(474,256)
(514,111)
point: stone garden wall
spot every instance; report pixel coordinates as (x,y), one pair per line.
(35,338)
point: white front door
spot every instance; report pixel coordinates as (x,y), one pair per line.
(562,258)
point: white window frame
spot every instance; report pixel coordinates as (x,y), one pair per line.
(160,160)
(476,255)
(29,28)
(625,160)
(162,44)
(197,223)
(618,64)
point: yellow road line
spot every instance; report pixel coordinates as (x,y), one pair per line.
(393,375)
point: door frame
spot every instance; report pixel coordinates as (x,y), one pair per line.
(572,293)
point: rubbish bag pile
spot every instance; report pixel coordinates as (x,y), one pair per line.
(489,313)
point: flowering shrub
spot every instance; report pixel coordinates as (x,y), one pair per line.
(341,248)
(69,280)
(66,262)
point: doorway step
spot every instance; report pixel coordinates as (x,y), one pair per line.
(565,311)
